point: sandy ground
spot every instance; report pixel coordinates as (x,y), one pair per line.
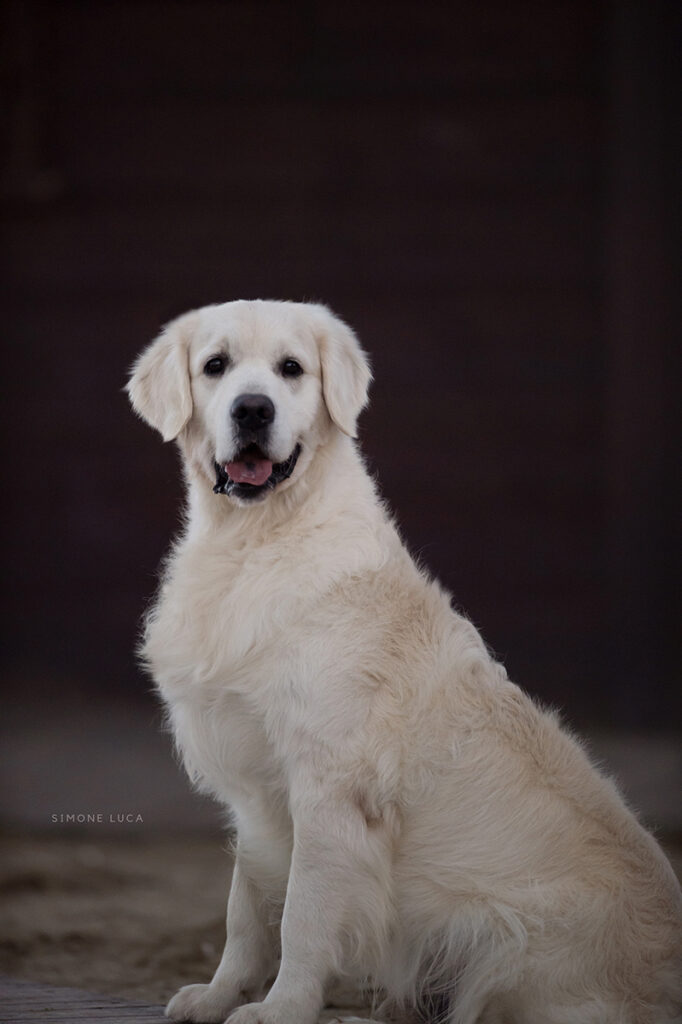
(127,916)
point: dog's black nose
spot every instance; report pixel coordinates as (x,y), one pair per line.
(252,412)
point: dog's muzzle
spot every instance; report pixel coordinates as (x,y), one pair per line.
(232,478)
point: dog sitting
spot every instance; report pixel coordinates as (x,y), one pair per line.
(403,812)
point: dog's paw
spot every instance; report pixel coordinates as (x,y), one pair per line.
(251,1013)
(347,1020)
(280,1012)
(202,1004)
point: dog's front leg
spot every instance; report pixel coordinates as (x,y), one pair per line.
(338,890)
(245,964)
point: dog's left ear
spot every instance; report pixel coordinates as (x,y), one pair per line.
(346,373)
(159,386)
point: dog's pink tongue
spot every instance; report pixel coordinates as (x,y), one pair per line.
(249,471)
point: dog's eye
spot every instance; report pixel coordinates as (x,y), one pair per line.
(290,368)
(215,366)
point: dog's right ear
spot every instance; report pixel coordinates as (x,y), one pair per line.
(159,386)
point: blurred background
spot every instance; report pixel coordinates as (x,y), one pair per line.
(488,193)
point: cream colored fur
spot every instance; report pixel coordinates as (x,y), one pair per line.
(403,811)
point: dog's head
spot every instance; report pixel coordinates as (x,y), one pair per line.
(251,389)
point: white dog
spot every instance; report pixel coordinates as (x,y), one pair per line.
(404,813)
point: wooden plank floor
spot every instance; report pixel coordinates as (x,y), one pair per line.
(23,1002)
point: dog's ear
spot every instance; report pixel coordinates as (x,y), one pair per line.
(346,373)
(159,386)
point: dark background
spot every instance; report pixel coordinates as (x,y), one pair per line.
(486,192)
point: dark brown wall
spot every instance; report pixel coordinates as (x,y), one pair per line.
(458,182)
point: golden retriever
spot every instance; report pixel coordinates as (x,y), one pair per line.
(404,814)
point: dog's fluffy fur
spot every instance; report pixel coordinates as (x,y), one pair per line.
(403,812)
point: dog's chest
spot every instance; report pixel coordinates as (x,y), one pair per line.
(219,618)
(238,656)
(224,747)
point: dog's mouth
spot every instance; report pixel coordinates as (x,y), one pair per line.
(251,473)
